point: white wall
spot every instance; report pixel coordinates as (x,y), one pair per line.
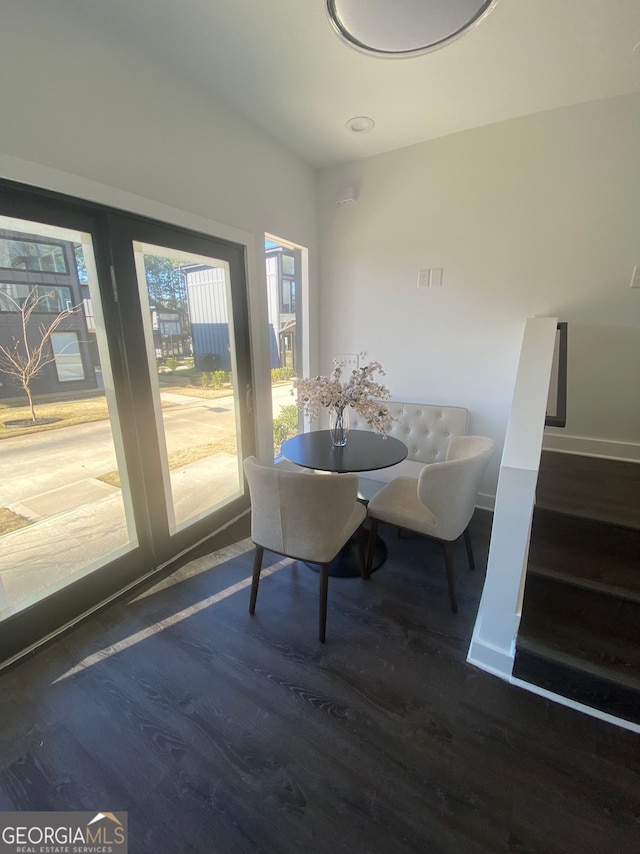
(76,100)
(81,101)
(538,215)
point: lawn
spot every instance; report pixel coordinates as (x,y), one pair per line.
(68,412)
(184,456)
(10,521)
(80,410)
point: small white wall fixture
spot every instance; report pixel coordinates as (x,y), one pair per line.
(493,642)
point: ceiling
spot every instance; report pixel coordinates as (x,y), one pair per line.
(280,63)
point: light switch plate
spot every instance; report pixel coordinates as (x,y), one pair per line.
(435,277)
(635,277)
(430,277)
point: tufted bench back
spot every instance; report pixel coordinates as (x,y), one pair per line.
(424,428)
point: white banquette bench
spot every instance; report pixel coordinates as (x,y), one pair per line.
(426,429)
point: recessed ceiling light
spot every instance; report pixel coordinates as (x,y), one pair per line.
(360,124)
(404,27)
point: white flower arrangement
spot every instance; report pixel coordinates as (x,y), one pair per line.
(360,391)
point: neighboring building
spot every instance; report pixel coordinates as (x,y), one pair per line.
(208,310)
(170,339)
(209,317)
(283,276)
(28,262)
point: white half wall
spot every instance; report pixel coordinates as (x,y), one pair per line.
(534,216)
(493,643)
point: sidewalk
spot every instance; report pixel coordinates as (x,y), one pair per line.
(83,526)
(79,522)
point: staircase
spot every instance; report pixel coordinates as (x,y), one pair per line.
(579,634)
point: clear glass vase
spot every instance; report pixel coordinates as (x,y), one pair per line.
(339,425)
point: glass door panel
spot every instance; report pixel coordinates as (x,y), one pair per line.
(187,314)
(65,500)
(284,301)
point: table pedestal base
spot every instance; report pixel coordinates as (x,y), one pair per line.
(346,564)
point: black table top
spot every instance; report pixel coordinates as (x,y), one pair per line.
(364,451)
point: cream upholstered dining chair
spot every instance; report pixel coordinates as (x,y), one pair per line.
(439,503)
(304,516)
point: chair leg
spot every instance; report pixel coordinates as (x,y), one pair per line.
(448,558)
(324,587)
(467,543)
(373,533)
(257,566)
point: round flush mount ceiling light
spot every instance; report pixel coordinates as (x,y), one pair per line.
(360,124)
(401,28)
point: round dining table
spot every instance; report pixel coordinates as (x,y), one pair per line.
(364,451)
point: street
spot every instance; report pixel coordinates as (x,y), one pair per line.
(31,465)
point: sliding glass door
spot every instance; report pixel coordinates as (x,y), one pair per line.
(125,402)
(286,332)
(191,367)
(61,515)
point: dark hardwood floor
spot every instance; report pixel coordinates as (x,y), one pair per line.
(219,732)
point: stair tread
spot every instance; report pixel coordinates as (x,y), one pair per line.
(590,487)
(615,693)
(596,554)
(607,635)
(608,582)
(613,514)
(612,673)
(550,599)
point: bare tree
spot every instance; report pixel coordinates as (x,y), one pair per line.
(24,360)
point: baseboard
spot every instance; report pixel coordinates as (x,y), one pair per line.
(485,501)
(488,657)
(592,447)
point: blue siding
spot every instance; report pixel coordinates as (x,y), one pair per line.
(212,338)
